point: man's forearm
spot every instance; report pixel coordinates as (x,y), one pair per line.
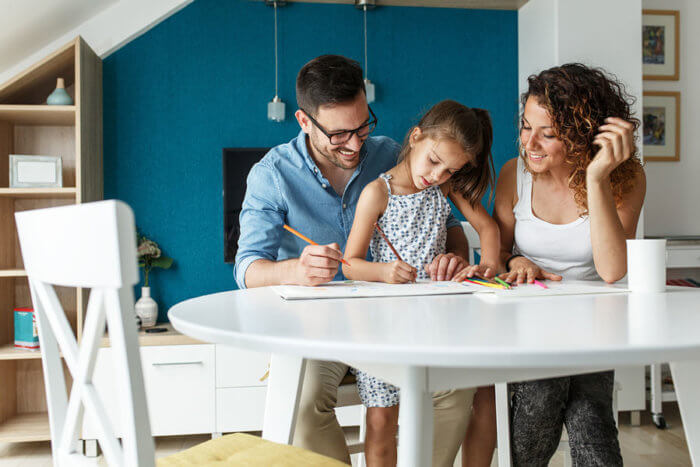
(265,272)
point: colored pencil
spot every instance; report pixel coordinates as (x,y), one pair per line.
(540,284)
(502,282)
(393,250)
(307,239)
(485,284)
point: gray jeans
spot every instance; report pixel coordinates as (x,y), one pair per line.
(583,403)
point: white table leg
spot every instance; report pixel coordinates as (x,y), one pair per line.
(686,381)
(503,424)
(415,419)
(282,400)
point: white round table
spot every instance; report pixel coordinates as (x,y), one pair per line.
(425,344)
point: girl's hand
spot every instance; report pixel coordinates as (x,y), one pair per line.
(444,266)
(478,270)
(616,141)
(398,272)
(524,270)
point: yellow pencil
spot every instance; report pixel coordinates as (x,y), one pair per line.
(307,239)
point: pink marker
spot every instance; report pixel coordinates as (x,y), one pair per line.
(540,284)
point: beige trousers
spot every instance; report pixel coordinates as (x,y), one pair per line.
(318,429)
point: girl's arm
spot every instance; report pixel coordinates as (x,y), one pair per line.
(370,207)
(487,229)
(611,226)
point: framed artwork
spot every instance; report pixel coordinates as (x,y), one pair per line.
(661,120)
(660,44)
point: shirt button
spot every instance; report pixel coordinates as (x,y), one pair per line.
(315,170)
(324,186)
(345,206)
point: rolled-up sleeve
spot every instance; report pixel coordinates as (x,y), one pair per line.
(452,221)
(261,220)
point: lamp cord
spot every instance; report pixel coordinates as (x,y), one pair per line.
(365,15)
(275,4)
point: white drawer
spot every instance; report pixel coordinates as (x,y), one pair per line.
(240,368)
(179,382)
(240,409)
(683,257)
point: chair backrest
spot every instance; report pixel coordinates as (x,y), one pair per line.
(94,246)
(472,239)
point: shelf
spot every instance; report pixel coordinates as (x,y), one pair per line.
(60,115)
(38,193)
(9,352)
(13,273)
(170,337)
(26,427)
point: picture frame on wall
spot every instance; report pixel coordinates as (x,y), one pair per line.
(660,44)
(661,122)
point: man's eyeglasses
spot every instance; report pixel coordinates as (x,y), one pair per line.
(340,137)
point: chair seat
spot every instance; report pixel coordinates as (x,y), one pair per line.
(241,449)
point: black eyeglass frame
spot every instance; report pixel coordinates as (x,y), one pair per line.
(371,124)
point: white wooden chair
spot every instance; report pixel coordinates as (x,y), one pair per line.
(94,246)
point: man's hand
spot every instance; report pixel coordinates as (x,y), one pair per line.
(318,264)
(444,266)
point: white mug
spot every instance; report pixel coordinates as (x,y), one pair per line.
(646,265)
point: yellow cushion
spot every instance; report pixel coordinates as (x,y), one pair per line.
(241,449)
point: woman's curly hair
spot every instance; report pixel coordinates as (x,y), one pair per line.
(579,99)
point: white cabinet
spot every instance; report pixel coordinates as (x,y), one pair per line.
(179,389)
(240,368)
(683,256)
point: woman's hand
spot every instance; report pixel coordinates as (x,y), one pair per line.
(616,141)
(479,270)
(524,270)
(398,272)
(444,266)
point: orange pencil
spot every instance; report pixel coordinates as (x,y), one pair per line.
(307,239)
(381,232)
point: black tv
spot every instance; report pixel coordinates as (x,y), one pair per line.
(237,162)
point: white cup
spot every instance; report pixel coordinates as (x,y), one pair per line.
(646,265)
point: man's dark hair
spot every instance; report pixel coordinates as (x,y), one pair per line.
(328,80)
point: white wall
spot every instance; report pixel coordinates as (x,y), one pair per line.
(673,188)
(108,30)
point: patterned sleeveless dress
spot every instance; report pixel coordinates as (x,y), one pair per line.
(416,225)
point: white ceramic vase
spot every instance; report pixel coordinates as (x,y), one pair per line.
(146,308)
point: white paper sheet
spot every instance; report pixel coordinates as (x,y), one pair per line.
(362,289)
(565,287)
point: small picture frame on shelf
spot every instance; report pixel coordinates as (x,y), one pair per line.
(660,44)
(661,119)
(27,171)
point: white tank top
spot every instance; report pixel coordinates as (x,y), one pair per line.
(563,249)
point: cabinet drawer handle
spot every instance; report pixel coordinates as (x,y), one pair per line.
(178,363)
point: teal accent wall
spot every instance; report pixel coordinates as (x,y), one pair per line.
(201,80)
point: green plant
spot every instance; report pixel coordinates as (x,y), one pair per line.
(150,256)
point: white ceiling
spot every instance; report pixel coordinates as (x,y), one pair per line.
(28,25)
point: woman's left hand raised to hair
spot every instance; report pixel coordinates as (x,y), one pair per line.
(616,142)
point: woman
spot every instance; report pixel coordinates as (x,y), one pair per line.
(565,208)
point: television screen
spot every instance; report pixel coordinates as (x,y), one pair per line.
(237,162)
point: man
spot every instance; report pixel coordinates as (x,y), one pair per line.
(313,183)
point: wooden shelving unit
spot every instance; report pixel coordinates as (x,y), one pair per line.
(73,132)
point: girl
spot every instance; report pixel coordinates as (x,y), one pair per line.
(447,155)
(565,208)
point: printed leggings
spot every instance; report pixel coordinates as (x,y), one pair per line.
(583,403)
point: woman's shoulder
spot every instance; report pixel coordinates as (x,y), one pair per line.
(506,185)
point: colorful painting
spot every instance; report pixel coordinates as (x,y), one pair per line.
(655,126)
(653,40)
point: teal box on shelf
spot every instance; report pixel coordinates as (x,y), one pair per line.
(26,335)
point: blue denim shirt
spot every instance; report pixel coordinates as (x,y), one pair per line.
(286,187)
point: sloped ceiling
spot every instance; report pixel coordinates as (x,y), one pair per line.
(27,26)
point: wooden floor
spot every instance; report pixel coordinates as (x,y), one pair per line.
(642,446)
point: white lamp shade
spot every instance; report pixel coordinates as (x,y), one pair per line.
(275,110)
(369,91)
